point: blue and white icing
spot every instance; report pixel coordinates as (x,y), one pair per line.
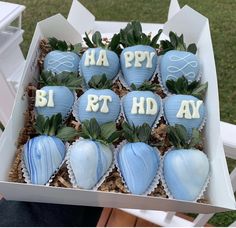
(186,172)
(89,161)
(193,114)
(174,64)
(62,98)
(58,61)
(42,157)
(97,61)
(138,163)
(103,105)
(138,63)
(141,107)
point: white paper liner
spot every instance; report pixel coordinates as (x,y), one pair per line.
(165,90)
(200,128)
(123,82)
(156,179)
(156,122)
(26,174)
(166,187)
(76,106)
(71,173)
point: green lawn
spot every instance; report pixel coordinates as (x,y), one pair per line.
(221,14)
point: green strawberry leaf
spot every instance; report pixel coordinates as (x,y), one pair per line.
(67,133)
(192,48)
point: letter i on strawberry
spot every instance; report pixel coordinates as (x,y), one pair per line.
(185,168)
(63,57)
(139,56)
(186,106)
(138,162)
(56,94)
(43,154)
(100,58)
(178,60)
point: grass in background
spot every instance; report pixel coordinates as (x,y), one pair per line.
(221,14)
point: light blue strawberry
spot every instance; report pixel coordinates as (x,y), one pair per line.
(139,116)
(63,99)
(60,61)
(138,163)
(135,71)
(175,64)
(172,106)
(186,172)
(42,156)
(89,68)
(106,109)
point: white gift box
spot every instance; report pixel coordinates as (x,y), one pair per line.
(195,28)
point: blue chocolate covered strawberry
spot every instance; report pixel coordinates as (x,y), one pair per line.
(100,58)
(185,106)
(185,169)
(43,154)
(139,57)
(56,94)
(142,105)
(98,102)
(138,162)
(62,58)
(178,60)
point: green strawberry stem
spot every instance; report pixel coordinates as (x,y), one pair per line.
(133,35)
(176,43)
(179,138)
(100,82)
(68,79)
(53,127)
(104,133)
(113,45)
(60,45)
(183,86)
(146,86)
(136,134)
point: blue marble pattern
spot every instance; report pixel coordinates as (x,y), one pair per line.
(63,101)
(42,156)
(171,108)
(89,161)
(111,71)
(175,64)
(138,163)
(137,75)
(185,173)
(139,119)
(80,113)
(58,61)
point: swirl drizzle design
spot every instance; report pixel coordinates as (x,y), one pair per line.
(173,71)
(61,61)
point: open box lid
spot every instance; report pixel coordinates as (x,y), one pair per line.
(221,194)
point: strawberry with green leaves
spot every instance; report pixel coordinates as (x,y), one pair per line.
(138,162)
(91,156)
(178,60)
(185,169)
(100,57)
(186,106)
(139,57)
(56,94)
(63,57)
(43,154)
(98,102)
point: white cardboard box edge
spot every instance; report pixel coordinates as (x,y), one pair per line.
(9,190)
